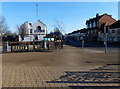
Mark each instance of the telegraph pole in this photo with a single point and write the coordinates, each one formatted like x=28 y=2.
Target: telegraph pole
x=105 y=38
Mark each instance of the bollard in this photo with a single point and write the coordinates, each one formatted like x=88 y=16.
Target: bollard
x=33 y=45
x=5 y=47
x=27 y=47
x=45 y=45
x=11 y=48
x=48 y=48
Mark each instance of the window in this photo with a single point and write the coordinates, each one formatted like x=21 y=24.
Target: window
x=30 y=24
x=94 y=24
x=90 y=24
x=36 y=37
x=30 y=30
x=87 y=25
x=91 y=31
x=88 y=32
x=113 y=31
x=43 y=30
x=39 y=29
x=118 y=31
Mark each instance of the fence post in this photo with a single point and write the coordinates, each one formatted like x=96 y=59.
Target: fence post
x=19 y=46
x=11 y=48
x=48 y=45
x=33 y=45
x=45 y=45
x=5 y=47
x=27 y=47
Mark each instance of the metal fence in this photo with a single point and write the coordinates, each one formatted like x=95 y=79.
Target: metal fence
x=31 y=46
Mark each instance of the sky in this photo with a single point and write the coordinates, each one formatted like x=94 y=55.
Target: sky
x=72 y=14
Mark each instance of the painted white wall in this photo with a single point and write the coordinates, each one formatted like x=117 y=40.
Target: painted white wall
x=31 y=36
x=43 y=27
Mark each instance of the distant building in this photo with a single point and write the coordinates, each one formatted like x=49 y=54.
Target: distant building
x=77 y=35
x=30 y=32
x=10 y=38
x=95 y=26
x=114 y=32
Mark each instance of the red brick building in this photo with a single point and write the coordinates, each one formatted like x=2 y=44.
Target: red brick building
x=96 y=25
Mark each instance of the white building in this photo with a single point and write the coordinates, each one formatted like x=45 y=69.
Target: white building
x=77 y=35
x=113 y=34
x=36 y=31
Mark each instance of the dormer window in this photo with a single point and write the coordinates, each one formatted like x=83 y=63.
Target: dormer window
x=90 y=24
x=94 y=23
x=30 y=30
x=30 y=24
x=39 y=29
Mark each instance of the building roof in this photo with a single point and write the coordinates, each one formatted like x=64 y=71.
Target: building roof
x=42 y=22
x=96 y=18
x=81 y=31
x=115 y=25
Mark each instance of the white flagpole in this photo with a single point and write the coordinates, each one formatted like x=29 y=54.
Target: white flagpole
x=37 y=11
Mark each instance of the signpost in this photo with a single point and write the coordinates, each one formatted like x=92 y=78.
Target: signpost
x=82 y=41
x=105 y=38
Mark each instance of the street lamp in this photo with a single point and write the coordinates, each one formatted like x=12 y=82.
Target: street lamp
x=82 y=41
x=105 y=38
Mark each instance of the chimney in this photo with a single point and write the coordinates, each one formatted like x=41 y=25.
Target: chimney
x=97 y=15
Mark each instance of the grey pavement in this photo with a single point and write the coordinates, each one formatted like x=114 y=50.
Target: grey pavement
x=67 y=67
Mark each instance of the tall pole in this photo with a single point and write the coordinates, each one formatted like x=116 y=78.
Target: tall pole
x=105 y=38
x=82 y=42
x=37 y=11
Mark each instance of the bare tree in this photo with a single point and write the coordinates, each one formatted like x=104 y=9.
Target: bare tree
x=21 y=31
x=3 y=25
x=58 y=26
x=15 y=33
x=7 y=33
x=58 y=29
x=18 y=29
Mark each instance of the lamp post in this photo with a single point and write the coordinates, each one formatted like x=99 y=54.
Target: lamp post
x=105 y=39
x=82 y=41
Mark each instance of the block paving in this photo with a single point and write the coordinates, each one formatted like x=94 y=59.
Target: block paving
x=38 y=76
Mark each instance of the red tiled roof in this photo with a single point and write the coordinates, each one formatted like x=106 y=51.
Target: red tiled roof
x=115 y=25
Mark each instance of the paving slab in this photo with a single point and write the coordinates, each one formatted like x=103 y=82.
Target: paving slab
x=65 y=68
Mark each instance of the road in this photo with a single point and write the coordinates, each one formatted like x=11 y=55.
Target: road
x=95 y=46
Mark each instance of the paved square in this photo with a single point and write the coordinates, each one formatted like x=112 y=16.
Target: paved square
x=67 y=67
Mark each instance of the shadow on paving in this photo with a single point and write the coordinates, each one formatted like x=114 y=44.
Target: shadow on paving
x=92 y=44
x=71 y=87
x=47 y=51
x=105 y=74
